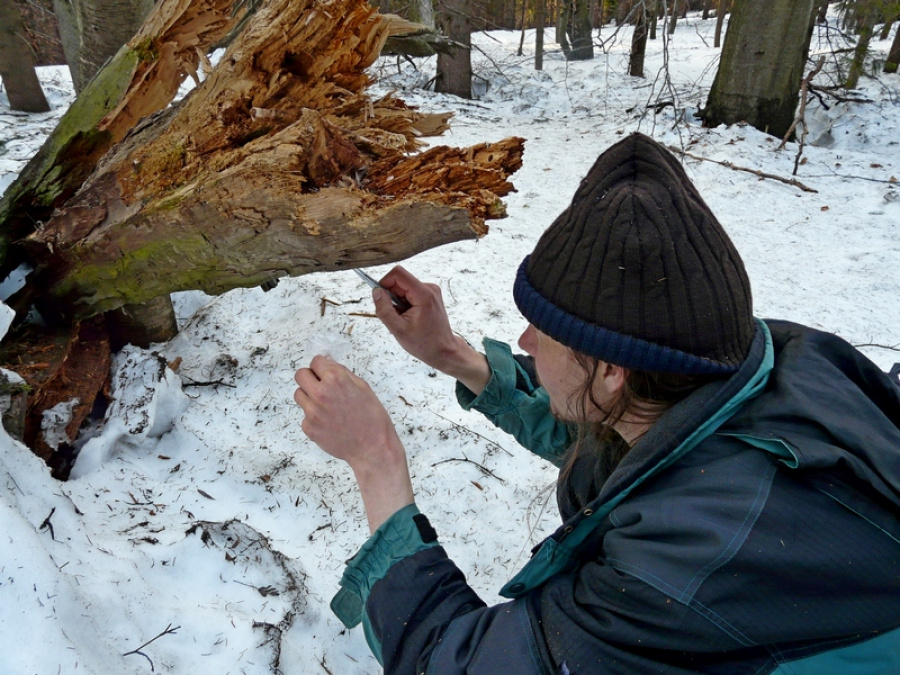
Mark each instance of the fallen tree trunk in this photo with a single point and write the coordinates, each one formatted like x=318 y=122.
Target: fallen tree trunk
x=142 y=78
x=277 y=164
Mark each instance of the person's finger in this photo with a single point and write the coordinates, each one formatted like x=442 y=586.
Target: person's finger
x=386 y=312
x=404 y=285
x=298 y=374
x=322 y=365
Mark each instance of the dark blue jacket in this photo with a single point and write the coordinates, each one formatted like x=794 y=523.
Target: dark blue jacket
x=754 y=529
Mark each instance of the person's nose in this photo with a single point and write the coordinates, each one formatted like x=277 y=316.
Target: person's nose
x=528 y=340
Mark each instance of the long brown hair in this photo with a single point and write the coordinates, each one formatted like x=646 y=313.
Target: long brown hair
x=644 y=397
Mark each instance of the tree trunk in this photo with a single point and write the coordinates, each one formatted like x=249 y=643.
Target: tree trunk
x=143 y=324
x=720 y=21
x=17 y=65
x=425 y=13
x=654 y=13
x=92 y=31
x=893 y=59
x=867 y=14
x=759 y=75
x=638 y=44
x=454 y=69
x=673 y=18
x=277 y=164
x=142 y=78
x=539 y=35
x=577 y=43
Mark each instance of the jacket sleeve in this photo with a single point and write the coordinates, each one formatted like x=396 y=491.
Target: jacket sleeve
x=516 y=404
x=420 y=616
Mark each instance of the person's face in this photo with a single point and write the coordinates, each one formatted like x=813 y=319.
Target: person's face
x=563 y=378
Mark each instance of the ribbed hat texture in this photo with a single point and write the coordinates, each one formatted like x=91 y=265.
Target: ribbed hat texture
x=638 y=272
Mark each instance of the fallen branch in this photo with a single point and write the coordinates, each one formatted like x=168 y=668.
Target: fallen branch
x=484 y=470
x=889 y=181
x=801 y=115
x=735 y=167
x=209 y=383
x=168 y=631
x=894 y=348
x=832 y=91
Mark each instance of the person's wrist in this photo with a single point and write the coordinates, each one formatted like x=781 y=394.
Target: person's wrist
x=384 y=483
x=457 y=358
x=468 y=365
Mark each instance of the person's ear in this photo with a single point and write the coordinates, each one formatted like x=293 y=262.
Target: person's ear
x=614 y=377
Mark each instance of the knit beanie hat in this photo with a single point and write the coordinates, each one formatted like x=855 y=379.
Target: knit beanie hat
x=638 y=272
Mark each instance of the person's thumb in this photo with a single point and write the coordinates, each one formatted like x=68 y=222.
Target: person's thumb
x=384 y=308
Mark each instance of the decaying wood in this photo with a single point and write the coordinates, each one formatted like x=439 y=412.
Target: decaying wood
x=277 y=164
x=140 y=79
x=60 y=365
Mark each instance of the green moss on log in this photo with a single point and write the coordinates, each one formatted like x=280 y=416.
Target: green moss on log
x=68 y=155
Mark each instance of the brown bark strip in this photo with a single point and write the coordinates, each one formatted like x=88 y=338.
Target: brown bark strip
x=58 y=365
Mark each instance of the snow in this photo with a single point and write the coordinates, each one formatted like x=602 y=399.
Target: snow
x=200 y=515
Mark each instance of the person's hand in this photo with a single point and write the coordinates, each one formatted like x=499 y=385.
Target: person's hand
x=424 y=329
x=345 y=418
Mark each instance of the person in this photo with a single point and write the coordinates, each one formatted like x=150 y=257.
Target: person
x=729 y=487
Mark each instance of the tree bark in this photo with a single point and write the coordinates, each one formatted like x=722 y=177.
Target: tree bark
x=92 y=31
x=454 y=69
x=893 y=59
x=638 y=44
x=673 y=18
x=867 y=13
x=759 y=75
x=17 y=65
x=539 y=35
x=574 y=33
x=142 y=78
x=277 y=164
x=720 y=21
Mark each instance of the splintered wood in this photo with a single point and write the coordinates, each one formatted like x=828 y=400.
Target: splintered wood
x=277 y=164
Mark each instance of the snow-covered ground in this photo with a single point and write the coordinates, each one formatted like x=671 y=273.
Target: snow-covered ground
x=201 y=515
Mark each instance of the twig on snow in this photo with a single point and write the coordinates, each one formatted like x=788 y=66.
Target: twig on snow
x=208 y=383
x=484 y=470
x=894 y=348
x=459 y=427
x=47 y=525
x=735 y=167
x=167 y=631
